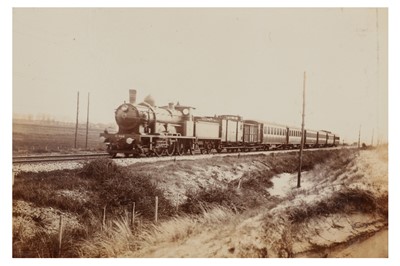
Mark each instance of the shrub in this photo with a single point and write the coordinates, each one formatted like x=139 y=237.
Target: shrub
x=346 y=201
x=118 y=188
x=197 y=201
x=122 y=190
x=100 y=169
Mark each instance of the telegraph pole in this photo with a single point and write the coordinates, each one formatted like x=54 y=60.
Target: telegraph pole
x=87 y=120
x=302 y=131
x=77 y=116
x=359 y=137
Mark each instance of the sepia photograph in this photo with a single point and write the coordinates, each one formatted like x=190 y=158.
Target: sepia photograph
x=200 y=132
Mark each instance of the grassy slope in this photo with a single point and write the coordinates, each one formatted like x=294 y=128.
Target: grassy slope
x=345 y=203
x=203 y=213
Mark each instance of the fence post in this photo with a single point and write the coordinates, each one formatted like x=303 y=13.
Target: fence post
x=156 y=210
x=239 y=184
x=133 y=215
x=13 y=174
x=60 y=229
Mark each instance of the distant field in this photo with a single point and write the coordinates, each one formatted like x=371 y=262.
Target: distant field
x=37 y=138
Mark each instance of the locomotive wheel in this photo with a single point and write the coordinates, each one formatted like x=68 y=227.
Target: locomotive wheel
x=180 y=148
x=219 y=148
x=171 y=149
x=127 y=155
x=158 y=151
x=113 y=155
x=209 y=147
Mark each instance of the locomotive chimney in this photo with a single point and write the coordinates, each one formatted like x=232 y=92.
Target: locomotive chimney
x=171 y=106
x=132 y=96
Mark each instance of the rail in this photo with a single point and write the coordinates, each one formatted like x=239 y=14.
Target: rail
x=58 y=157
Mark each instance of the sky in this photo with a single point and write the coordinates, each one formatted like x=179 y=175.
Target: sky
x=242 y=61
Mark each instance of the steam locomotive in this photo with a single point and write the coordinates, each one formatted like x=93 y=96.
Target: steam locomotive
x=147 y=130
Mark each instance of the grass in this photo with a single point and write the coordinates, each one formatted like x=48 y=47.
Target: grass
x=102 y=183
x=250 y=191
x=43 y=138
x=118 y=238
x=344 y=201
x=41 y=189
x=115 y=238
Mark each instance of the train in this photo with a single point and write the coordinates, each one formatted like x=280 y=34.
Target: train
x=148 y=130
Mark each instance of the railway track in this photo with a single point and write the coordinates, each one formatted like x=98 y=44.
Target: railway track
x=57 y=158
x=76 y=157
x=73 y=161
